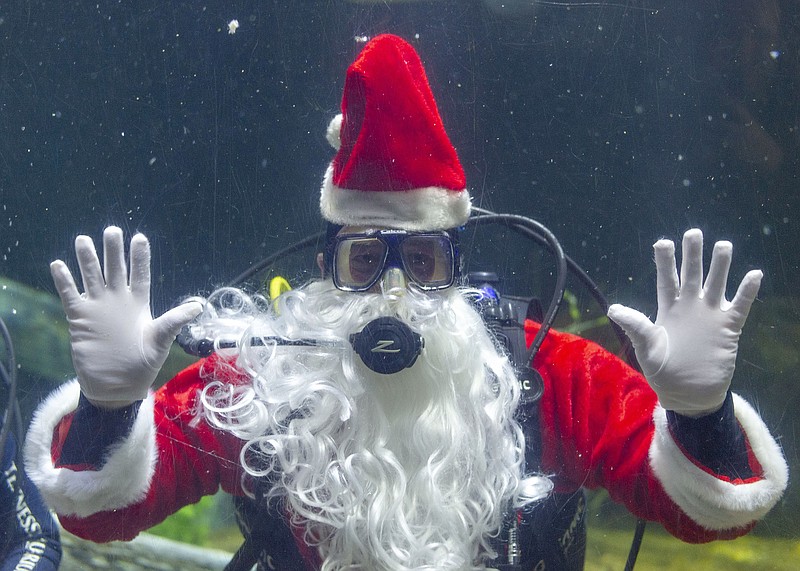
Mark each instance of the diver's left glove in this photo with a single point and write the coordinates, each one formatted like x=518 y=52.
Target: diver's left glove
x=117 y=347
x=688 y=355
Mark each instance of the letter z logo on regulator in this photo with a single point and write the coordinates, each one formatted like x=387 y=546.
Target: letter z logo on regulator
x=382 y=346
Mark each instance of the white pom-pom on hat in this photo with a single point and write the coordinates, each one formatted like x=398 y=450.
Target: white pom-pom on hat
x=333 y=134
x=395 y=166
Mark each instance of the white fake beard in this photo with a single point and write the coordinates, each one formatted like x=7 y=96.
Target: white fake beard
x=413 y=470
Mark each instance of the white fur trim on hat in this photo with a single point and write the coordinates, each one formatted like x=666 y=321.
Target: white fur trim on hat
x=419 y=209
x=713 y=502
x=126 y=473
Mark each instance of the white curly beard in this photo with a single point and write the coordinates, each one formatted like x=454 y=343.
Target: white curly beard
x=412 y=470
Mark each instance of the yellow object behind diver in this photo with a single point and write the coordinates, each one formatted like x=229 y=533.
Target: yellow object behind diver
x=277 y=286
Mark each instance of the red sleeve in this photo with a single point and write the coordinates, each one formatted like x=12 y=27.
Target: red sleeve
x=597 y=428
x=193 y=460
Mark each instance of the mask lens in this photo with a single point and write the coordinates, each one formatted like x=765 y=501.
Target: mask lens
x=358 y=262
x=428 y=260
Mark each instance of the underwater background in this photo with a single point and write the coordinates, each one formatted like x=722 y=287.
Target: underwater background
x=612 y=123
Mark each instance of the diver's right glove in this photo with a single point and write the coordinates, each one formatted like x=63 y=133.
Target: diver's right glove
x=117 y=347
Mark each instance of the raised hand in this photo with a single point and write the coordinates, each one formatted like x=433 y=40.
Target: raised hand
x=117 y=347
x=688 y=355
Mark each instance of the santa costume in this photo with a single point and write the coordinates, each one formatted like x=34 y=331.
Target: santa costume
x=443 y=465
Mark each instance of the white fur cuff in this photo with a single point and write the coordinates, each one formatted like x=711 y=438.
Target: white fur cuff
x=126 y=473
x=712 y=502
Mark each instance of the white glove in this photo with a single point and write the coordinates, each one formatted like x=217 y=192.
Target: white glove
x=117 y=347
x=689 y=354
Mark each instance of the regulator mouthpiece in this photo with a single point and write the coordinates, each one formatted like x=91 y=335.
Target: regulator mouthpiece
x=387 y=345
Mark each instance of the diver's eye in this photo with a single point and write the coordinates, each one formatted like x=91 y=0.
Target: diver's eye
x=428 y=260
x=363 y=257
x=421 y=264
x=363 y=263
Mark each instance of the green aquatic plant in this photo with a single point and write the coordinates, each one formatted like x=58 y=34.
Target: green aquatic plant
x=36 y=322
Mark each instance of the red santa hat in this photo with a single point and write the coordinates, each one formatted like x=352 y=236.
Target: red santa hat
x=395 y=165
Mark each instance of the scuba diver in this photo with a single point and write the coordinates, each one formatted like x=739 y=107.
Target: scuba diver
x=29 y=535
x=373 y=419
